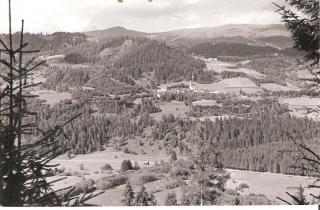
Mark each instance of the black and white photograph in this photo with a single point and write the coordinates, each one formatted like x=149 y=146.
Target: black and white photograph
x=136 y=103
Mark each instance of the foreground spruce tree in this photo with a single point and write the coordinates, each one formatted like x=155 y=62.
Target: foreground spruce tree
x=24 y=167
x=144 y=199
x=302 y=19
x=128 y=195
x=171 y=199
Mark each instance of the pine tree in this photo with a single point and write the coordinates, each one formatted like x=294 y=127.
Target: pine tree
x=126 y=165
x=171 y=199
x=236 y=201
x=128 y=195
x=173 y=156
x=152 y=200
x=142 y=197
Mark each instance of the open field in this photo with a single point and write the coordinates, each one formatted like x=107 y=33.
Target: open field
x=52 y=97
x=274 y=87
x=303 y=106
x=231 y=85
x=94 y=161
x=113 y=196
x=272 y=185
x=204 y=102
x=304 y=74
x=177 y=108
x=219 y=66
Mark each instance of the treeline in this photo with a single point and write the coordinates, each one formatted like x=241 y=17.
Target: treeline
x=268 y=127
x=208 y=77
x=232 y=107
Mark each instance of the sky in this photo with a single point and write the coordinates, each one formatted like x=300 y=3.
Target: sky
x=49 y=16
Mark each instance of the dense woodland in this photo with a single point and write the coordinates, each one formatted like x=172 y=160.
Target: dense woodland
x=257 y=136
x=262 y=141
x=166 y=63
x=210 y=50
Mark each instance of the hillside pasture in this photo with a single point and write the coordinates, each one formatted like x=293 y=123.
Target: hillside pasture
x=177 y=108
x=219 y=66
x=52 y=97
x=272 y=185
x=303 y=106
x=304 y=74
x=231 y=85
x=113 y=197
x=274 y=87
x=204 y=102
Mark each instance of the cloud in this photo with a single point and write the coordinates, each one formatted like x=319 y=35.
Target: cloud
x=160 y=15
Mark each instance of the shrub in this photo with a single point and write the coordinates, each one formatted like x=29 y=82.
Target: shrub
x=61 y=169
x=243 y=185
x=106 y=171
x=128 y=151
x=106 y=167
x=171 y=199
x=182 y=168
x=136 y=165
x=173 y=156
x=180 y=172
x=160 y=168
x=75 y=173
x=139 y=179
x=174 y=183
x=105 y=183
x=126 y=165
x=231 y=192
x=84 y=186
x=81 y=167
x=254 y=199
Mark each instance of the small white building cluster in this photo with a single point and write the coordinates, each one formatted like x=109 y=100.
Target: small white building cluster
x=192 y=87
x=212 y=60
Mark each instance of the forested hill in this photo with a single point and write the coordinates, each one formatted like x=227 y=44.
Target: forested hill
x=236 y=49
x=53 y=43
x=114 y=32
x=165 y=62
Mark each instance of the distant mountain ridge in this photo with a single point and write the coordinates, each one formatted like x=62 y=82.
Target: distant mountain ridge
x=114 y=32
x=245 y=30
x=274 y=35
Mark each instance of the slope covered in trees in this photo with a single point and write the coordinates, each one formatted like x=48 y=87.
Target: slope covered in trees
x=53 y=43
x=210 y=50
x=166 y=63
x=261 y=141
